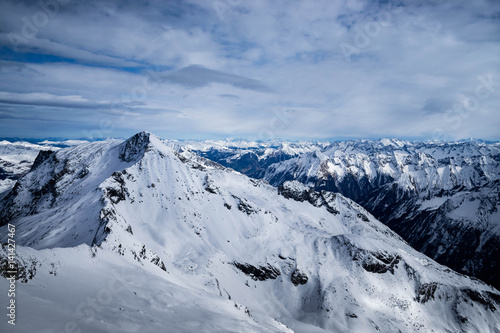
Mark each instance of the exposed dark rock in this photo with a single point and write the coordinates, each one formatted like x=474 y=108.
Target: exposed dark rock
x=142 y=252
x=380 y=262
x=363 y=217
x=494 y=297
x=83 y=173
x=245 y=206
x=302 y=193
x=488 y=302
x=42 y=156
x=158 y=262
x=117 y=193
x=129 y=230
x=49 y=189
x=299 y=193
x=210 y=186
x=134 y=148
x=24 y=270
x=105 y=215
x=299 y=278
x=426 y=292
x=260 y=273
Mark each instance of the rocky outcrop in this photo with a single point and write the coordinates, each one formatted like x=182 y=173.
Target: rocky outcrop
x=258 y=273
x=135 y=147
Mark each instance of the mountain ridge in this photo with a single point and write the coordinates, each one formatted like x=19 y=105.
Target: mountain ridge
x=414 y=187
x=297 y=257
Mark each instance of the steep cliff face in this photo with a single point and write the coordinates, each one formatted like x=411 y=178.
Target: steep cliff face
x=270 y=260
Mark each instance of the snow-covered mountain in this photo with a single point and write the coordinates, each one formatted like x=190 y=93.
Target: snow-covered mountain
x=133 y=236
x=250 y=158
x=16 y=159
x=443 y=198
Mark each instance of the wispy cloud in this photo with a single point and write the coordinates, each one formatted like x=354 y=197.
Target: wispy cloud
x=196 y=76
x=185 y=69
x=44 y=99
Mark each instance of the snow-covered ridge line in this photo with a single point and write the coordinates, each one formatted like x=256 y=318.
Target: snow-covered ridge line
x=285 y=260
x=442 y=197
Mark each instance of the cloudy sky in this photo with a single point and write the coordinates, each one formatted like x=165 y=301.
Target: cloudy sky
x=294 y=69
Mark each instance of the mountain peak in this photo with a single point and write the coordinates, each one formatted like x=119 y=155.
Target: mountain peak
x=314 y=259
x=135 y=146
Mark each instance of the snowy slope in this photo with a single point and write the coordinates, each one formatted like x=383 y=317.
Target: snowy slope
x=441 y=197
x=202 y=248
x=15 y=160
x=75 y=292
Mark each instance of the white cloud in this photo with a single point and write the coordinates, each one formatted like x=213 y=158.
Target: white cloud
x=44 y=99
x=411 y=65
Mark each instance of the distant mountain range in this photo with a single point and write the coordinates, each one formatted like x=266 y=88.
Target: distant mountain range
x=442 y=197
x=146 y=235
